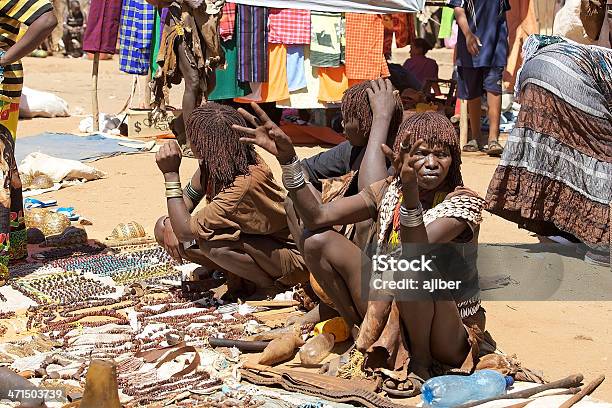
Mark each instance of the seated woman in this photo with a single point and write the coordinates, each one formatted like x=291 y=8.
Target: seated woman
x=428 y=179
x=372 y=112
x=243 y=228
x=420 y=66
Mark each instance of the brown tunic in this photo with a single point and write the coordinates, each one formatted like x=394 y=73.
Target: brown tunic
x=253 y=205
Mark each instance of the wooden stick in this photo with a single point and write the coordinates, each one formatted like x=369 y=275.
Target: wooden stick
x=272 y=303
x=529 y=401
x=94 y=93
x=567 y=382
x=463 y=123
x=588 y=390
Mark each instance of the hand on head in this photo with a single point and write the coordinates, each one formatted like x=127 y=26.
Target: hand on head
x=169 y=157
x=266 y=134
x=383 y=98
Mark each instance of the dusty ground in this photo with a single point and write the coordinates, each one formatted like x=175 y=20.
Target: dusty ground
x=560 y=338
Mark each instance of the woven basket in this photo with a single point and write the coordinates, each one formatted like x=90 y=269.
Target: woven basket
x=36 y=181
x=34 y=217
x=54 y=224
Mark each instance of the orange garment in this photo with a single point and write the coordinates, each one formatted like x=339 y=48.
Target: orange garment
x=522 y=22
x=364 y=46
x=277 y=87
x=400 y=24
x=332 y=84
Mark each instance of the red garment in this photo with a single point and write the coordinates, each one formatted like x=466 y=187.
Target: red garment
x=227 y=23
x=289 y=26
x=102 y=26
x=400 y=24
x=364 y=47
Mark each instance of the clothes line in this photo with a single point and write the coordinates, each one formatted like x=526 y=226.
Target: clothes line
x=344 y=6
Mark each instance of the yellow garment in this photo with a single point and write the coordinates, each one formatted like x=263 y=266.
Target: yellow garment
x=336 y=326
x=332 y=84
x=277 y=87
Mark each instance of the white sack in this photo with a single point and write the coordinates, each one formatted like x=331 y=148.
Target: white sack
x=58 y=169
x=41 y=104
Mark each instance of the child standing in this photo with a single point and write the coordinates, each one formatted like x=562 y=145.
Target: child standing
x=482 y=52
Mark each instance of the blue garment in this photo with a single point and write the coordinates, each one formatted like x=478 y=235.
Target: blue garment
x=135 y=36
x=296 y=73
x=487 y=20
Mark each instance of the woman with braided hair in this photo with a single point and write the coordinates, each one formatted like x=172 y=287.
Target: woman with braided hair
x=242 y=230
x=423 y=203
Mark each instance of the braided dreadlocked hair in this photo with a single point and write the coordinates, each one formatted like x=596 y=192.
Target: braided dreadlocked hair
x=356 y=106
x=435 y=130
x=212 y=139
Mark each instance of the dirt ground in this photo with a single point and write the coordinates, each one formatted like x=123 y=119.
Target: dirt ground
x=560 y=338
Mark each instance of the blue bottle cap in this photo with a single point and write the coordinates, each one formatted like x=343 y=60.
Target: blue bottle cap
x=509 y=381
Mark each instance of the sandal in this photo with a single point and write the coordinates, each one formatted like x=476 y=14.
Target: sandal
x=471 y=146
x=494 y=149
x=30 y=203
x=410 y=388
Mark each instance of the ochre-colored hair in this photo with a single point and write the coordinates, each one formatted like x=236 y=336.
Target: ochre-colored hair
x=212 y=139
x=437 y=131
x=356 y=106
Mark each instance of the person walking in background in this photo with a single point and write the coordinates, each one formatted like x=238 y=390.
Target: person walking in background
x=482 y=51
x=74 y=27
x=39 y=16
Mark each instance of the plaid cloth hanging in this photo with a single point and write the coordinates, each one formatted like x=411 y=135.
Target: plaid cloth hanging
x=227 y=24
x=135 y=36
x=364 y=47
x=289 y=26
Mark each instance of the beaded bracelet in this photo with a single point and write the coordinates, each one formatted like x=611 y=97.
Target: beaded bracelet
x=293 y=175
x=412 y=217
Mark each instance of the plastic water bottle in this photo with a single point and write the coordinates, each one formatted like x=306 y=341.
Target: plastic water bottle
x=317 y=348
x=451 y=390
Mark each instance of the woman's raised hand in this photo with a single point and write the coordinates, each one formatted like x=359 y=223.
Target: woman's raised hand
x=266 y=134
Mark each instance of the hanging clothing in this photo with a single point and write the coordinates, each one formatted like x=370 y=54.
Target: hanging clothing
x=252 y=29
x=198 y=30
x=446 y=23
x=308 y=97
x=296 y=74
x=135 y=38
x=332 y=84
x=156 y=41
x=289 y=26
x=326 y=39
x=277 y=88
x=522 y=22
x=102 y=26
x=227 y=24
x=227 y=85
x=364 y=47
x=400 y=24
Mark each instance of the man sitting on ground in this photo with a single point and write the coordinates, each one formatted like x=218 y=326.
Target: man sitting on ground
x=243 y=228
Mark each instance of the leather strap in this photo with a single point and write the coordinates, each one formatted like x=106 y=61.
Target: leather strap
x=151 y=356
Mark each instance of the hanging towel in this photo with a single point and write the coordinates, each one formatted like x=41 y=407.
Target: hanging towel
x=325 y=44
x=227 y=24
x=446 y=23
x=332 y=84
x=252 y=23
x=364 y=47
x=305 y=98
x=296 y=74
x=137 y=25
x=289 y=26
x=102 y=26
x=227 y=85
